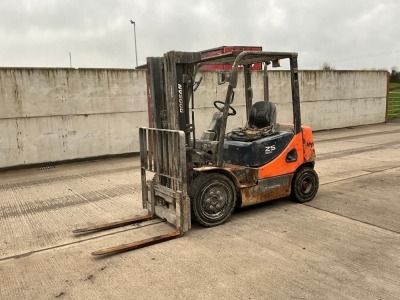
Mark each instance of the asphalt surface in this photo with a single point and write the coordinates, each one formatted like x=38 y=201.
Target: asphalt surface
x=345 y=244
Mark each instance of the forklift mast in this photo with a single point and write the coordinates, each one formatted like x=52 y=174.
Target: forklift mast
x=170 y=82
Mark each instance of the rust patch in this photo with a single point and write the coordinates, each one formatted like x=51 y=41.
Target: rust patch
x=245 y=175
x=267 y=189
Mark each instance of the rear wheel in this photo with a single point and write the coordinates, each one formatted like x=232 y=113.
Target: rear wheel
x=304 y=185
x=213 y=198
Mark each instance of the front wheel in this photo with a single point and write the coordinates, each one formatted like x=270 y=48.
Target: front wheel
x=213 y=198
x=304 y=185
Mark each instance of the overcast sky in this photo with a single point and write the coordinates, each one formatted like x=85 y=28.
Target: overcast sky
x=350 y=34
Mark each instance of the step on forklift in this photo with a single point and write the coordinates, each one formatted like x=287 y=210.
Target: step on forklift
x=205 y=178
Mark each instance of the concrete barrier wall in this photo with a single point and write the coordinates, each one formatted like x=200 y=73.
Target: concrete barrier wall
x=343 y=98
x=60 y=114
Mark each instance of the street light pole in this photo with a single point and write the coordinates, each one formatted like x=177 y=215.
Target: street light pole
x=134 y=32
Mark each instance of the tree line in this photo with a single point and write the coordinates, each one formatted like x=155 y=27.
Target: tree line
x=395 y=75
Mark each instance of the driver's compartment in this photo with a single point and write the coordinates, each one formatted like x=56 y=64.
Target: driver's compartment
x=254 y=145
x=260 y=141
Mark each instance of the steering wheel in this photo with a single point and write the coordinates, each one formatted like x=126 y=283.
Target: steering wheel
x=221 y=108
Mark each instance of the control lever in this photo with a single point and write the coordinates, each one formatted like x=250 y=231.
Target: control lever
x=197 y=84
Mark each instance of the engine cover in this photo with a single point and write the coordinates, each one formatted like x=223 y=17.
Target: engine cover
x=258 y=152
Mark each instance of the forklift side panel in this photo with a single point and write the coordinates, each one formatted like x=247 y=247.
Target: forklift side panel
x=267 y=189
x=256 y=153
x=309 y=150
x=280 y=165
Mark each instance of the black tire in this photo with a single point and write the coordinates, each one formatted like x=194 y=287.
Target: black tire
x=304 y=185
x=213 y=198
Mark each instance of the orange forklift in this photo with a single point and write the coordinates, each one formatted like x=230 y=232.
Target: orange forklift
x=205 y=178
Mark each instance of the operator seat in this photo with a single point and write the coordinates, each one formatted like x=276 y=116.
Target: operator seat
x=262 y=114
x=261 y=123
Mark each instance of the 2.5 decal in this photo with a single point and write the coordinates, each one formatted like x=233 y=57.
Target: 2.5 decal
x=269 y=149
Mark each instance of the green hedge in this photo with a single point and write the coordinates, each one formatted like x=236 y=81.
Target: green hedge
x=394 y=101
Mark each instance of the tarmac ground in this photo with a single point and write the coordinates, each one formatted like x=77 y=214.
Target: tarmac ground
x=345 y=244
